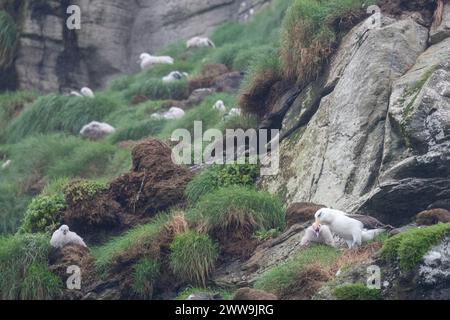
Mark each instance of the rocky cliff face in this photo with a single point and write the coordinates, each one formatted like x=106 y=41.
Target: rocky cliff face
x=113 y=34
x=373 y=133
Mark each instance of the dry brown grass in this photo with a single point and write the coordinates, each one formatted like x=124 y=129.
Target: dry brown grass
x=176 y=225
x=438 y=14
x=352 y=257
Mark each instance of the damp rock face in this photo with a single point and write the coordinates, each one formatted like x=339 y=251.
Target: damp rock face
x=112 y=36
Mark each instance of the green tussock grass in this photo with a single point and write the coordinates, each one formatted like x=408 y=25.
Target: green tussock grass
x=141 y=236
x=11 y=105
x=145 y=273
x=9 y=36
x=155 y=89
x=193 y=256
x=409 y=247
x=237 y=207
x=211 y=118
x=218 y=176
x=138 y=130
x=55 y=113
x=356 y=291
x=310 y=34
x=281 y=278
x=23 y=268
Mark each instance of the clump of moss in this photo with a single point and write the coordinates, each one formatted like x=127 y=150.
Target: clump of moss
x=82 y=190
x=356 y=291
x=193 y=256
x=409 y=247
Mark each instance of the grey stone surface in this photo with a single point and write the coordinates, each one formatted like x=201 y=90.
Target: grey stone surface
x=112 y=36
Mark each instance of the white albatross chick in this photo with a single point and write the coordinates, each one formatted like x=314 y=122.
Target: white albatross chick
x=63 y=236
x=234 y=112
x=147 y=60
x=174 y=76
x=199 y=42
x=219 y=105
x=6 y=164
x=319 y=234
x=86 y=92
x=174 y=113
x=75 y=93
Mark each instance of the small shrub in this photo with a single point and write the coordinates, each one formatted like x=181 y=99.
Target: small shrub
x=146 y=271
x=193 y=256
x=236 y=208
x=23 y=268
x=410 y=246
x=43 y=214
x=356 y=291
x=221 y=176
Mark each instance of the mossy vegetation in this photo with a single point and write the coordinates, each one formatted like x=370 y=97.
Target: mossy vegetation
x=356 y=291
x=409 y=247
x=193 y=256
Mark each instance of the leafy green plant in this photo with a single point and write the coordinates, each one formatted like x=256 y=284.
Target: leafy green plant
x=193 y=256
x=43 y=214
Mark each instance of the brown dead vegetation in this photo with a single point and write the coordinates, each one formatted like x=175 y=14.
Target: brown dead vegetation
x=433 y=216
x=301 y=212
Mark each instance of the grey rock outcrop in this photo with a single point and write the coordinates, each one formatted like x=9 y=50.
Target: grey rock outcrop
x=372 y=134
x=113 y=34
